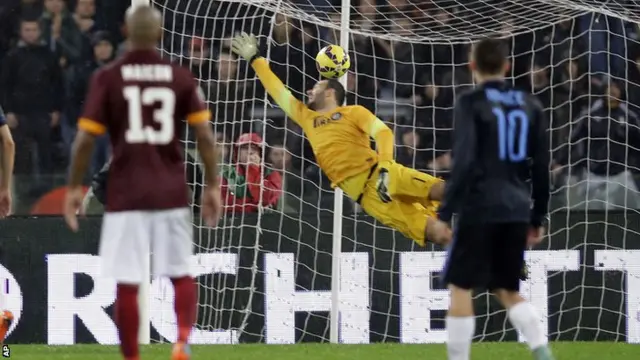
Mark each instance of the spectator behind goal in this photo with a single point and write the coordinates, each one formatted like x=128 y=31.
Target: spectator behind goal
x=61 y=33
x=602 y=149
x=31 y=84
x=244 y=179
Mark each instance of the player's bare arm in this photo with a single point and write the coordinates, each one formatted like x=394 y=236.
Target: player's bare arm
x=89 y=126
x=8 y=155
x=246 y=46
x=206 y=143
x=211 y=201
x=80 y=158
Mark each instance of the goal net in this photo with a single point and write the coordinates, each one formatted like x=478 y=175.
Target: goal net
x=265 y=273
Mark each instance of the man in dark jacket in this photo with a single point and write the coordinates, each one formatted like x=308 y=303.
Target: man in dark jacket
x=11 y=11
x=61 y=33
x=603 y=148
x=31 y=86
x=77 y=84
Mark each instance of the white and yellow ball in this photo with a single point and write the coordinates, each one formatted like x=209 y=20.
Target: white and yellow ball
x=332 y=62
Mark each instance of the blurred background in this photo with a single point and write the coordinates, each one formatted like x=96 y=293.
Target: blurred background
x=409 y=62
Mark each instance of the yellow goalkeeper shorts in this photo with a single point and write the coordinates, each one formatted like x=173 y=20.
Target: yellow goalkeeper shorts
x=409 y=208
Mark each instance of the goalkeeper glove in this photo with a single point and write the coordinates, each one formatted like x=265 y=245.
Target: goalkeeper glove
x=245 y=46
x=382 y=185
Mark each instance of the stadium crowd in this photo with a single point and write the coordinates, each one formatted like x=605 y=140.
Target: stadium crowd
x=584 y=70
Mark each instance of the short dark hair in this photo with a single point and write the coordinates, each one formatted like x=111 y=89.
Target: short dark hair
x=338 y=89
x=490 y=56
x=29 y=19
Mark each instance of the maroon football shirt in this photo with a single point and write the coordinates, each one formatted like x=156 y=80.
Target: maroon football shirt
x=141 y=100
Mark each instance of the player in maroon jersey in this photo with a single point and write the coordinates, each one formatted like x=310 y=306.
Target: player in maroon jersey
x=141 y=101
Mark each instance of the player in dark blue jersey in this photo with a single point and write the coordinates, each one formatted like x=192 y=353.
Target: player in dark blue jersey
x=500 y=164
x=6 y=168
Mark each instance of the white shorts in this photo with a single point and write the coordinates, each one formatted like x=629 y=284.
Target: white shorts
x=128 y=238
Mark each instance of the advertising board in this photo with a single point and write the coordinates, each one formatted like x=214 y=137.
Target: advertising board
x=272 y=284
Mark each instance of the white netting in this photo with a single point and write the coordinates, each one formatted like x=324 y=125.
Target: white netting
x=409 y=61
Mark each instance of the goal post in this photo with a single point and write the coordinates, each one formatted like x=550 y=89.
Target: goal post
x=336 y=250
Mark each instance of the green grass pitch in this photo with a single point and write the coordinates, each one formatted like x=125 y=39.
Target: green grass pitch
x=481 y=351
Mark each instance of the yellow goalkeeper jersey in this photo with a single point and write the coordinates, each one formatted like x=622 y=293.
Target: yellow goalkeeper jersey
x=340 y=139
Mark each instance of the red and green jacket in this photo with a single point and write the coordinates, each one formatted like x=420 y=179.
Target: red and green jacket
x=241 y=186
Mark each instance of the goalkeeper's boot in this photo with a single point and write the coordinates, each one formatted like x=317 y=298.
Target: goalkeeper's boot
x=6 y=319
x=542 y=353
x=181 y=351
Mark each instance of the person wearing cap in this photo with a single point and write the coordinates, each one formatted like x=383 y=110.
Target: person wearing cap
x=246 y=184
x=77 y=79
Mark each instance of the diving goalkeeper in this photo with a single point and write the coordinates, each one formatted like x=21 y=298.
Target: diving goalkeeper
x=400 y=197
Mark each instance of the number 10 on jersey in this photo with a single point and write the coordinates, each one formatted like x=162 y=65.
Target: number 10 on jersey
x=513 y=131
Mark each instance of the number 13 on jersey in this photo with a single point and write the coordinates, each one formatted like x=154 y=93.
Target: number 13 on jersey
x=513 y=131
x=138 y=98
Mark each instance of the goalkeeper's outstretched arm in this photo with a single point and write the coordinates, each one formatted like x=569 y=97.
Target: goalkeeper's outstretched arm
x=293 y=107
x=246 y=46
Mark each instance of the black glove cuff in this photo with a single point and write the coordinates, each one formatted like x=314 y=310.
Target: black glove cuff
x=254 y=57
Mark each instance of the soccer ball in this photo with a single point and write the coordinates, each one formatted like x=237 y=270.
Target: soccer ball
x=332 y=62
